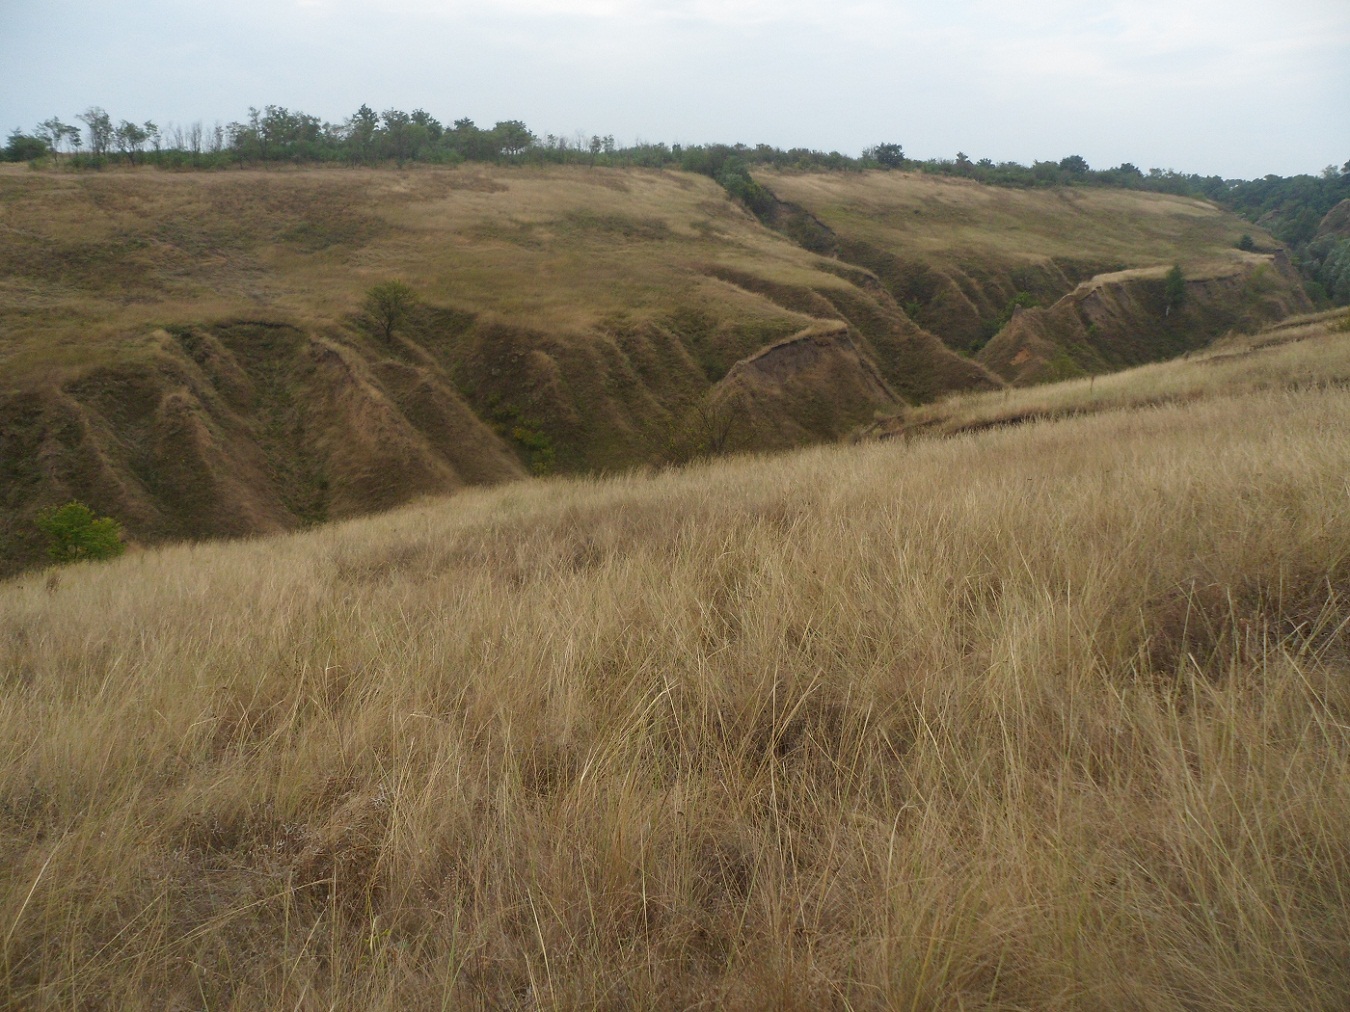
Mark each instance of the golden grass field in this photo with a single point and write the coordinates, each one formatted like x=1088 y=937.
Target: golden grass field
x=94 y=263
x=1054 y=716
x=952 y=220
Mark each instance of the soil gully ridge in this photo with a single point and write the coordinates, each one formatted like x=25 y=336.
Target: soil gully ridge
x=781 y=331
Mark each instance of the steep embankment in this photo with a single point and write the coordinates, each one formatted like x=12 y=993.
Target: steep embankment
x=1128 y=318
x=961 y=257
x=188 y=352
x=240 y=428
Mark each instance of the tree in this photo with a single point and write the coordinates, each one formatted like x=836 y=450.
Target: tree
x=429 y=123
x=1174 y=288
x=23 y=148
x=361 y=134
x=889 y=156
x=513 y=137
x=55 y=133
x=735 y=178
x=100 y=129
x=131 y=138
x=1075 y=165
x=75 y=534
x=387 y=305
x=397 y=131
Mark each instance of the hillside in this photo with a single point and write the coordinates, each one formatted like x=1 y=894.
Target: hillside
x=962 y=257
x=1045 y=715
x=187 y=351
x=1126 y=318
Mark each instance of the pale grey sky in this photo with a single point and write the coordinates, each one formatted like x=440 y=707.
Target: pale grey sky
x=1227 y=87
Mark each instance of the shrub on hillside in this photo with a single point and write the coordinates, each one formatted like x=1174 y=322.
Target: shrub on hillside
x=1174 y=285
x=75 y=534
x=387 y=305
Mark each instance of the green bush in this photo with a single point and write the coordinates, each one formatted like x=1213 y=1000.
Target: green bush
x=387 y=305
x=538 y=447
x=1174 y=288
x=74 y=533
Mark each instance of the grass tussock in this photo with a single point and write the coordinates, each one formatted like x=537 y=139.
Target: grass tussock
x=1047 y=717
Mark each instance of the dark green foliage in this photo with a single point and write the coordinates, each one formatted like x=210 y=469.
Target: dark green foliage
x=537 y=447
x=24 y=148
x=512 y=138
x=75 y=534
x=736 y=180
x=131 y=139
x=1327 y=261
x=1246 y=243
x=888 y=156
x=1290 y=208
x=1174 y=287
x=100 y=129
x=1022 y=300
x=387 y=306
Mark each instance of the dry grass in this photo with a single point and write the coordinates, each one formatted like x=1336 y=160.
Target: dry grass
x=950 y=222
x=1046 y=717
x=92 y=264
x=956 y=253
x=1302 y=352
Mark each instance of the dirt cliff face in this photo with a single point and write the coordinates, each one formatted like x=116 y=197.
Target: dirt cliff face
x=236 y=429
x=1336 y=223
x=791 y=393
x=1126 y=318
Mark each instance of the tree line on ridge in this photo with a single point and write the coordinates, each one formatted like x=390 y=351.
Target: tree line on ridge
x=1290 y=208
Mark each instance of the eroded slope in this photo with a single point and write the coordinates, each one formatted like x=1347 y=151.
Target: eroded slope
x=960 y=256
x=187 y=352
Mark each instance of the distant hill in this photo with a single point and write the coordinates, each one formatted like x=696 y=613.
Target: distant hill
x=187 y=352
x=963 y=257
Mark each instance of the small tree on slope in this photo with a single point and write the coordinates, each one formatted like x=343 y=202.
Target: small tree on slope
x=74 y=533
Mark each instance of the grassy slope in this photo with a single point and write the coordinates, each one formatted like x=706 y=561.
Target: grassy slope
x=92 y=261
x=159 y=327
x=959 y=251
x=1301 y=352
x=1046 y=717
x=185 y=352
x=1124 y=318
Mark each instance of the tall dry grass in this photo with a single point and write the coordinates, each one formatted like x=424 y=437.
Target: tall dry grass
x=1047 y=717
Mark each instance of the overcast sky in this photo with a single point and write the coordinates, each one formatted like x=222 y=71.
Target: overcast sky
x=1238 y=88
